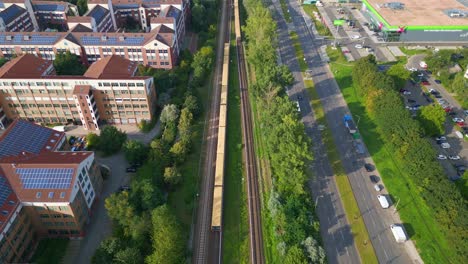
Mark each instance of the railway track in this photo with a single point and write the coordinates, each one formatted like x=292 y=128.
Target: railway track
x=208 y=244
x=256 y=239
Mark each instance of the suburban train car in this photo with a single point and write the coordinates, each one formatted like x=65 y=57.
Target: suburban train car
x=237 y=19
x=216 y=215
x=222 y=116
x=219 y=171
x=224 y=95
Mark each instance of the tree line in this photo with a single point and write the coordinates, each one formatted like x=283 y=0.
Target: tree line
x=146 y=228
x=406 y=139
x=296 y=230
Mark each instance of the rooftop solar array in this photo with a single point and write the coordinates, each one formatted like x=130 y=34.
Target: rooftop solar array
x=98 y=13
x=41 y=178
x=24 y=136
x=126 y=6
x=36 y=39
x=49 y=7
x=98 y=40
x=11 y=13
x=5 y=190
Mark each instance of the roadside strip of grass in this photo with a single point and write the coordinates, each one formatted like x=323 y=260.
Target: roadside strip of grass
x=322 y=29
x=284 y=7
x=416 y=216
x=235 y=223
x=353 y=214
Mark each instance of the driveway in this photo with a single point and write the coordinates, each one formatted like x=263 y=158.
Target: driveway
x=100 y=226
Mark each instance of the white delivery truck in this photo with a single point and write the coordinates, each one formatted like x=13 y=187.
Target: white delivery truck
x=383 y=201
x=398 y=233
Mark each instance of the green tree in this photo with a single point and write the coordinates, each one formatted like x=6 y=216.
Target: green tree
x=169 y=114
x=179 y=151
x=168 y=241
x=460 y=84
x=172 y=175
x=146 y=195
x=104 y=254
x=198 y=17
x=169 y=133
x=128 y=255
x=92 y=141
x=158 y=152
x=82 y=6
x=135 y=151
x=111 y=140
x=191 y=103
x=120 y=210
x=68 y=64
x=295 y=255
x=399 y=74
x=432 y=118
x=202 y=62
x=185 y=123
x=439 y=60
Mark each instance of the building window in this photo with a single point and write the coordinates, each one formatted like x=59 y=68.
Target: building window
x=62 y=195
x=44 y=216
x=38 y=195
x=51 y=195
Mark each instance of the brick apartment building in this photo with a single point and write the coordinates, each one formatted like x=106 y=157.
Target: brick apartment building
x=109 y=92
x=100 y=32
x=44 y=192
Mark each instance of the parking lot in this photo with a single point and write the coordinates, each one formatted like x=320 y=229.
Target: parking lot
x=454 y=154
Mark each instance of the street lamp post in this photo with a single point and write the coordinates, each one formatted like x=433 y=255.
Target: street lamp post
x=316 y=200
x=396 y=205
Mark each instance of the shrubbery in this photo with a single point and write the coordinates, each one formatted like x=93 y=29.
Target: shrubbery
x=289 y=206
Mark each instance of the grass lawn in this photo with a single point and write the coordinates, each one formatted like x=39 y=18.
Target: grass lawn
x=235 y=223
x=358 y=228
x=410 y=52
x=417 y=217
x=50 y=251
x=322 y=29
x=284 y=7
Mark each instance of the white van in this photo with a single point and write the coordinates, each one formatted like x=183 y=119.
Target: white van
x=399 y=233
x=423 y=65
x=383 y=201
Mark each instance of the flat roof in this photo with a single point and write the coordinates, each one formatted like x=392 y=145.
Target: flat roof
x=417 y=13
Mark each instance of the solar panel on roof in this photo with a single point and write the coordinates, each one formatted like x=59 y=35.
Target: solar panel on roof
x=24 y=136
x=5 y=190
x=45 y=178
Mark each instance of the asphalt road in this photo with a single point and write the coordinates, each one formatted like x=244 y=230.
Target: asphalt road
x=335 y=230
x=376 y=219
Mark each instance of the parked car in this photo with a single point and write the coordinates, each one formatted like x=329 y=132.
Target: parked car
x=458 y=119
x=358 y=46
x=445 y=145
x=428 y=72
x=411 y=101
x=131 y=169
x=378 y=187
x=438 y=96
x=433 y=91
x=451 y=113
x=425 y=83
x=460 y=124
x=369 y=167
x=125 y=188
x=405 y=92
x=448 y=109
x=441 y=157
x=465 y=112
x=374 y=178
x=355 y=37
x=454 y=157
x=437 y=81
x=441 y=138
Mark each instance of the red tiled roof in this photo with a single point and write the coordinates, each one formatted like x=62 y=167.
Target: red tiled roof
x=112 y=67
x=25 y=66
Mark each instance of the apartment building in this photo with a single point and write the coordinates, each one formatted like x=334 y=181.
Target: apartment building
x=109 y=92
x=44 y=192
x=15 y=19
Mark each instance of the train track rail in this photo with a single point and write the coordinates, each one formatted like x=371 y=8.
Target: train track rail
x=256 y=239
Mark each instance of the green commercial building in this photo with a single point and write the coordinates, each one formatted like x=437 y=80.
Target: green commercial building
x=418 y=21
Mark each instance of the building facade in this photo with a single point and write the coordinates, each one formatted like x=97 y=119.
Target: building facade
x=44 y=192
x=108 y=93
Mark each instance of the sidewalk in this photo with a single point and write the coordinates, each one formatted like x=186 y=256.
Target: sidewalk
x=133 y=132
